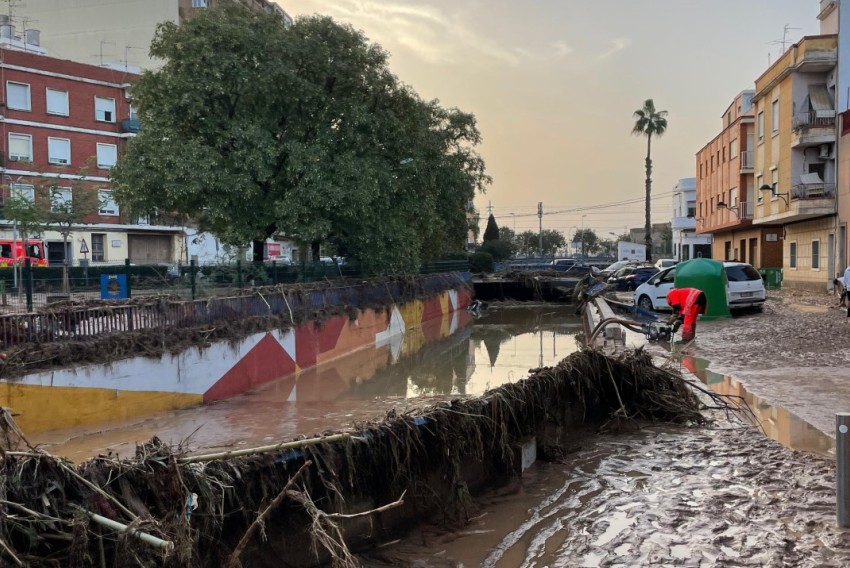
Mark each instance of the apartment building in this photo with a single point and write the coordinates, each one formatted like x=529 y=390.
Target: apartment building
x=116 y=33
x=687 y=244
x=726 y=193
x=795 y=170
x=63 y=124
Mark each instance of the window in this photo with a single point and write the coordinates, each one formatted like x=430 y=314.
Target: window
x=23 y=191
x=60 y=198
x=18 y=96
x=97 y=249
x=774 y=116
x=733 y=197
x=108 y=206
x=700 y=171
x=104 y=109
x=759 y=183
x=712 y=163
x=59 y=151
x=733 y=149
x=815 y=255
x=792 y=251
x=20 y=147
x=692 y=209
x=57 y=102
x=760 y=126
x=774 y=182
x=199 y=3
x=107 y=155
x=134 y=114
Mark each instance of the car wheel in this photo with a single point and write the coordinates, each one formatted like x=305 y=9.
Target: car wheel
x=645 y=303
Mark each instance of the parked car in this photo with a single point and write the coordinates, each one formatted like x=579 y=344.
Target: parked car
x=745 y=288
x=630 y=277
x=570 y=265
x=663 y=263
x=609 y=270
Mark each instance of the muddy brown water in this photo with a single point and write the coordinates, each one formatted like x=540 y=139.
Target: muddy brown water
x=666 y=496
x=499 y=347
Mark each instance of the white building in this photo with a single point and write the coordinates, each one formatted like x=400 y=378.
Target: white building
x=686 y=243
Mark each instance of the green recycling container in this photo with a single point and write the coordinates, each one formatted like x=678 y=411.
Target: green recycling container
x=772 y=278
x=708 y=276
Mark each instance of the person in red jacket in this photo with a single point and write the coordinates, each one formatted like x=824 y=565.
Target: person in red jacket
x=687 y=305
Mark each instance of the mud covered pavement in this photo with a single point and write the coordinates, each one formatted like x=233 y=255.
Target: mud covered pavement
x=795 y=354
x=663 y=496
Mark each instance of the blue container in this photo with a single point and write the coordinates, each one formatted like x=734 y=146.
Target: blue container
x=113 y=286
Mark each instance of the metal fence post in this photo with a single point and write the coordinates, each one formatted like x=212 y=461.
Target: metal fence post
x=274 y=272
x=842 y=462
x=28 y=282
x=193 y=271
x=239 y=273
x=129 y=277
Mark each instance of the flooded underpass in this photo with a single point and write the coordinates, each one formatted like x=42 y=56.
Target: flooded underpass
x=727 y=495
x=498 y=347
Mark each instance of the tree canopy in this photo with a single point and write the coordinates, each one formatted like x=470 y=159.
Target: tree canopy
x=491 y=233
x=528 y=242
x=254 y=130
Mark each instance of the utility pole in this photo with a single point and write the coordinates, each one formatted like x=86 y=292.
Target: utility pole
x=540 y=219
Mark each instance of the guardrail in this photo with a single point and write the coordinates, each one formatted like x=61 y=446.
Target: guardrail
x=121 y=316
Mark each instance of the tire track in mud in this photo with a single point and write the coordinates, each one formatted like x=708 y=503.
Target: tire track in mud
x=663 y=496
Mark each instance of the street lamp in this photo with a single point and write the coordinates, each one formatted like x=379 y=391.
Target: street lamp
x=772 y=190
x=582 y=235
x=723 y=205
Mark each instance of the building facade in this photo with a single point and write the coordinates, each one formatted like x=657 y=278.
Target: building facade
x=63 y=126
x=687 y=244
x=795 y=168
x=662 y=239
x=116 y=33
x=726 y=193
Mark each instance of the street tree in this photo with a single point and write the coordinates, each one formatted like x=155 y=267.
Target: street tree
x=26 y=207
x=491 y=233
x=649 y=122
x=528 y=242
x=588 y=239
x=67 y=210
x=253 y=130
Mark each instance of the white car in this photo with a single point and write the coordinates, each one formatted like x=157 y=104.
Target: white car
x=663 y=263
x=745 y=288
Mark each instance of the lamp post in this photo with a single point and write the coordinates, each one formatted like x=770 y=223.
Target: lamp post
x=582 y=235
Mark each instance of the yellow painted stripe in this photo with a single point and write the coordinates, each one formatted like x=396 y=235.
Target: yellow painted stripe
x=42 y=408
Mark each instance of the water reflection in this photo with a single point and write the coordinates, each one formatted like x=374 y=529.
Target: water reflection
x=777 y=422
x=499 y=347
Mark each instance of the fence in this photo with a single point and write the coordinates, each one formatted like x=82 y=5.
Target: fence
x=35 y=287
x=66 y=322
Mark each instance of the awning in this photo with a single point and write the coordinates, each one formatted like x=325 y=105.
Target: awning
x=821 y=101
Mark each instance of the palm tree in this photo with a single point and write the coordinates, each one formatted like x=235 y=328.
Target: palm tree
x=649 y=122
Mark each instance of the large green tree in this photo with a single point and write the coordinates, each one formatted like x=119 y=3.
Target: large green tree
x=254 y=130
x=491 y=233
x=649 y=122
x=528 y=242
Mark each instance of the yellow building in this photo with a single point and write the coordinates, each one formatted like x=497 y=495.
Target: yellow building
x=795 y=171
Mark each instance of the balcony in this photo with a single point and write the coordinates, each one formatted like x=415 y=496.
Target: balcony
x=748 y=161
x=131 y=125
x=683 y=223
x=808 y=200
x=812 y=128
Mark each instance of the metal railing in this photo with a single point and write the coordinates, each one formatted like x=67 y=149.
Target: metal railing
x=811 y=119
x=812 y=190
x=746 y=209
x=75 y=322
x=748 y=160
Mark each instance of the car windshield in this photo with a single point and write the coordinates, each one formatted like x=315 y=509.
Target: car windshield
x=617 y=266
x=741 y=273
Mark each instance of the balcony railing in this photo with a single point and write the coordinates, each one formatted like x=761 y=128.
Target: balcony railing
x=812 y=190
x=131 y=125
x=748 y=161
x=745 y=209
x=805 y=120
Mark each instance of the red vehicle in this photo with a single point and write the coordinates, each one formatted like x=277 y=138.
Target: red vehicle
x=13 y=251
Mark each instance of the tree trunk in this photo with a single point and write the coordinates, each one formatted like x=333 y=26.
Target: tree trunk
x=66 y=286
x=258 y=250
x=316 y=250
x=648 y=224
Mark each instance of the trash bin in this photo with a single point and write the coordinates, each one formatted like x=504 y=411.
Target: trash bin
x=772 y=278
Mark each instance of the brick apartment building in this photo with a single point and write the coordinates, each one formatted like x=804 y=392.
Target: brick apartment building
x=60 y=120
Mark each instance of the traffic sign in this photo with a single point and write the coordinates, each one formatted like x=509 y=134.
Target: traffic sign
x=84 y=248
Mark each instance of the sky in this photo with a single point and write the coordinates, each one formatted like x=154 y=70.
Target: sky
x=554 y=85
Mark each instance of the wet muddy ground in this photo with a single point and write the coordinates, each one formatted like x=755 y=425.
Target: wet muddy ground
x=659 y=497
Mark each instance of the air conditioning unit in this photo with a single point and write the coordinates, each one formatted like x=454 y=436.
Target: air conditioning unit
x=825 y=152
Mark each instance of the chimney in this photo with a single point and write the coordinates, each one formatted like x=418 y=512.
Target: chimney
x=32 y=37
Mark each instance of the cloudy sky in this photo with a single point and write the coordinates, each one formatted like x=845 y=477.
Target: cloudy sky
x=554 y=84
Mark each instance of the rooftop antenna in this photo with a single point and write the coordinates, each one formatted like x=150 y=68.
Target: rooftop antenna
x=127 y=49
x=100 y=49
x=785 y=38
